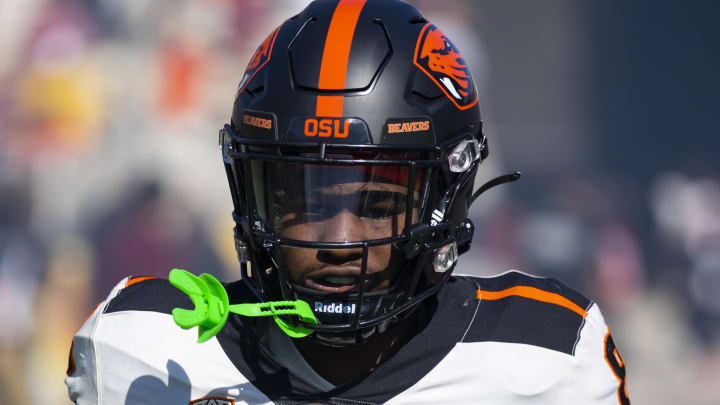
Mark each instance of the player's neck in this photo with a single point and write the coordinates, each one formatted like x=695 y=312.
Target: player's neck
x=340 y=365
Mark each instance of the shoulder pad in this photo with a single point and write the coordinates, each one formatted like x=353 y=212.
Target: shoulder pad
x=158 y=295
x=148 y=294
x=519 y=308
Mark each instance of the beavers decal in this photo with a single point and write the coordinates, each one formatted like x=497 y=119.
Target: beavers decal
x=436 y=55
x=259 y=59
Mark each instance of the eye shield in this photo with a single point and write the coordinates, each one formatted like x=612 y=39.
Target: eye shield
x=317 y=202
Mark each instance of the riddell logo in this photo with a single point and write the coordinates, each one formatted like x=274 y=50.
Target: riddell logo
x=327 y=127
x=257 y=121
x=336 y=308
x=413 y=126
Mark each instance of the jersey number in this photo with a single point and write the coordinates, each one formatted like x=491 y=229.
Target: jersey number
x=617 y=365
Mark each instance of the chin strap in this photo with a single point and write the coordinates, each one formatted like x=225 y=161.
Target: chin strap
x=212 y=307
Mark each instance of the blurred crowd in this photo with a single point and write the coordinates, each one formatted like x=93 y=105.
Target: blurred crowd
x=109 y=167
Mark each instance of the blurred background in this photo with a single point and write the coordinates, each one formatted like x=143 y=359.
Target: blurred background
x=109 y=112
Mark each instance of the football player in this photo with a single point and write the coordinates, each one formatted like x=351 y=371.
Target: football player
x=351 y=156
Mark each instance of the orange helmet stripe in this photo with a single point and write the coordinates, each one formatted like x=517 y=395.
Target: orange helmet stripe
x=333 y=68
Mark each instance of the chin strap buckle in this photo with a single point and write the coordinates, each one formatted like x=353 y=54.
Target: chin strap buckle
x=417 y=236
x=445 y=257
x=241 y=250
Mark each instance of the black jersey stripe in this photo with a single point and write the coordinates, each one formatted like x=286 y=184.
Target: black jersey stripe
x=155 y=295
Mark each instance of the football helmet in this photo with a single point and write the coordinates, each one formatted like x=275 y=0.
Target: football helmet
x=354 y=142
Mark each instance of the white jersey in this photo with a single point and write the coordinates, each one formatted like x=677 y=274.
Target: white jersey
x=510 y=339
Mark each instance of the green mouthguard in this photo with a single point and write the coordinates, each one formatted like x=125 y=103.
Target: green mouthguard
x=212 y=307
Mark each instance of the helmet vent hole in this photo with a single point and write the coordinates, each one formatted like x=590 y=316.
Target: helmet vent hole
x=418 y=19
x=255 y=91
x=427 y=99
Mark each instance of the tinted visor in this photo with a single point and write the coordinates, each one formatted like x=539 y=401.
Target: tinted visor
x=336 y=203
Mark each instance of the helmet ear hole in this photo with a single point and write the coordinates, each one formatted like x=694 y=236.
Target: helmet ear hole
x=254 y=91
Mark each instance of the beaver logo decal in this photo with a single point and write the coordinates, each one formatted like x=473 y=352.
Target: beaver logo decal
x=259 y=59
x=436 y=55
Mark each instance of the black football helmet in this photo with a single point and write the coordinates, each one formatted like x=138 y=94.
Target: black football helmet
x=370 y=97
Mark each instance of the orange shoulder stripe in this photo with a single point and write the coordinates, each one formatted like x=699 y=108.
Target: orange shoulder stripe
x=135 y=280
x=533 y=294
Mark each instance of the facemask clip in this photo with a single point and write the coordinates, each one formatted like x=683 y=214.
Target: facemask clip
x=445 y=257
x=463 y=155
x=225 y=143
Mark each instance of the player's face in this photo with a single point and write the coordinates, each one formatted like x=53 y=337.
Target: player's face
x=345 y=212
